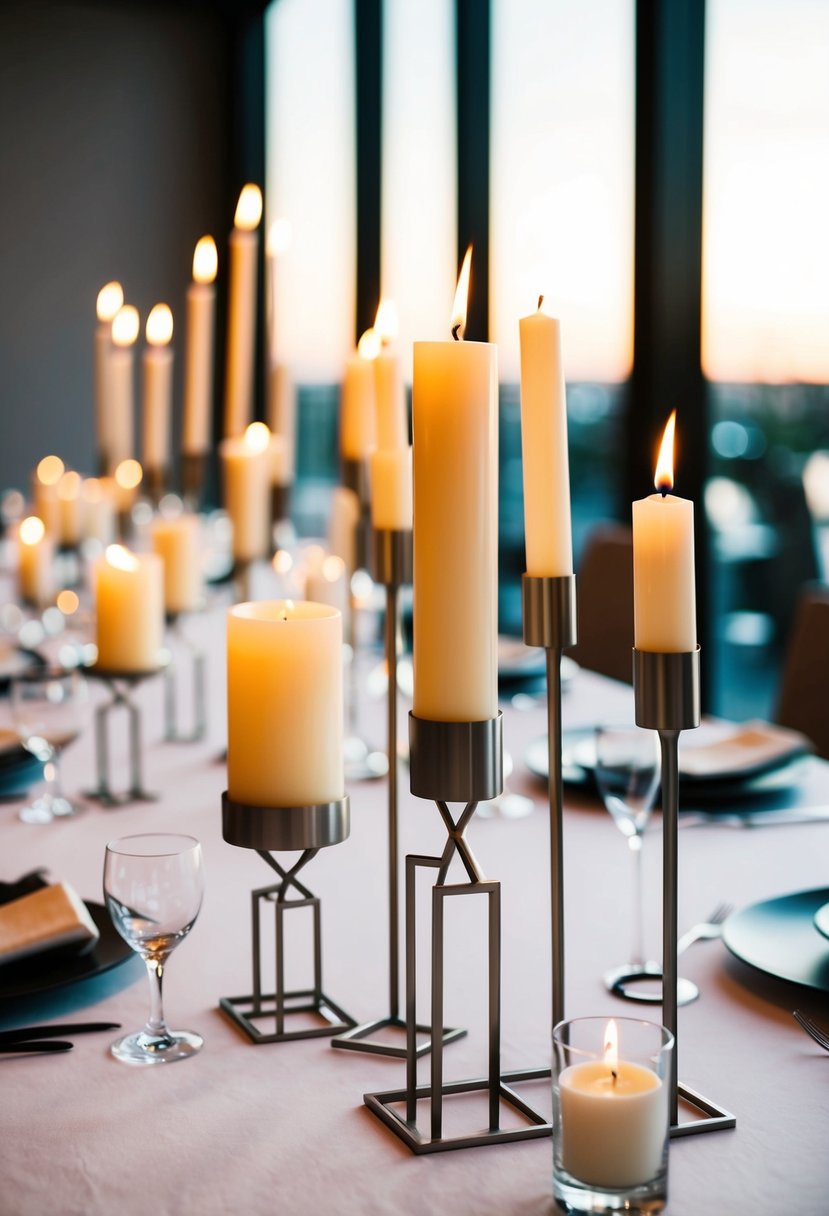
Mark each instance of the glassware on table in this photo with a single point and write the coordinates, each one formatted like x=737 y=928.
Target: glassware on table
x=153 y=887
x=50 y=707
x=611 y=1084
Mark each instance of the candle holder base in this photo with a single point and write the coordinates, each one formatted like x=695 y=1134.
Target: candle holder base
x=193 y=473
x=716 y=1118
x=121 y=686
x=198 y=665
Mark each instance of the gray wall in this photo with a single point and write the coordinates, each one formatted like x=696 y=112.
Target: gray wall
x=113 y=161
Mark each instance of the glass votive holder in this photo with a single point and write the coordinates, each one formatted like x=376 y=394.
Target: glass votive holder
x=611 y=1081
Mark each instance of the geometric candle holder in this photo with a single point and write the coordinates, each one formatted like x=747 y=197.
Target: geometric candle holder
x=198 y=659
x=121 y=685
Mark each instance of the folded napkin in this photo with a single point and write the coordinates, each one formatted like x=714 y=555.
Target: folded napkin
x=753 y=747
x=46 y=919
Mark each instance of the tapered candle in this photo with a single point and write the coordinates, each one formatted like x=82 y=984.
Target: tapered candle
x=243 y=247
x=125 y=327
x=35 y=553
x=158 y=389
x=281 y=393
x=342 y=525
x=70 y=508
x=110 y=299
x=198 y=366
x=548 y=533
x=284 y=704
x=129 y=607
x=664 y=592
x=246 y=468
x=176 y=540
x=455 y=422
x=45 y=492
x=392 y=424
x=391 y=489
x=358 y=408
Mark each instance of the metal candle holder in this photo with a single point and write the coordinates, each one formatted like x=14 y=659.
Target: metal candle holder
x=155 y=483
x=309 y=829
x=280 y=503
x=121 y=686
x=356 y=476
x=667 y=700
x=453 y=762
x=198 y=659
x=193 y=476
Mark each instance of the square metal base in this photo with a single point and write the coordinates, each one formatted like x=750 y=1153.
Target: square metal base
x=380 y=1104
x=358 y=1040
x=245 y=1018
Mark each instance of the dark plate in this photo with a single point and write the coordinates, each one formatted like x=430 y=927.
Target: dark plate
x=38 y=974
x=778 y=938
x=18 y=770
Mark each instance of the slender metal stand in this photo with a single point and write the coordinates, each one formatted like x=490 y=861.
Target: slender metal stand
x=198 y=661
x=453 y=762
x=305 y=828
x=193 y=476
x=155 y=484
x=121 y=685
x=280 y=503
x=667 y=700
x=243 y=580
x=356 y=476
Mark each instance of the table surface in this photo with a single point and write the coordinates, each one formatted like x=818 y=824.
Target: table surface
x=255 y=1129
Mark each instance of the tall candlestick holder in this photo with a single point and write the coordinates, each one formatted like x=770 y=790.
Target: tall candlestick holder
x=275 y=829
x=667 y=700
x=122 y=686
x=280 y=503
x=453 y=762
x=356 y=476
x=155 y=483
x=392 y=567
x=198 y=683
x=193 y=471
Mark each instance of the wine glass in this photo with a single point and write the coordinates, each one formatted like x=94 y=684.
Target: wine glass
x=49 y=709
x=153 y=887
x=627 y=774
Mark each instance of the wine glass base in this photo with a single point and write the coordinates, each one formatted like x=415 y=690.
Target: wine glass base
x=144 y=1048
x=46 y=808
x=642 y=982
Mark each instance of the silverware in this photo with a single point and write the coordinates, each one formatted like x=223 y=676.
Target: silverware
x=28 y=1033
x=40 y=1047
x=706 y=929
x=812 y=1028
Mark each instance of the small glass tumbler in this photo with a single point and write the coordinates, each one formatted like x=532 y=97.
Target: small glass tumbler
x=611 y=1081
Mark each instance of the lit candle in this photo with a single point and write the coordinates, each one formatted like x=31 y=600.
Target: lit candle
x=547 y=527
x=110 y=299
x=243 y=247
x=455 y=420
x=176 y=540
x=129 y=606
x=392 y=424
x=198 y=365
x=125 y=327
x=70 y=508
x=613 y=1119
x=664 y=595
x=97 y=510
x=35 y=552
x=284 y=704
x=158 y=389
x=45 y=492
x=358 y=408
x=246 y=468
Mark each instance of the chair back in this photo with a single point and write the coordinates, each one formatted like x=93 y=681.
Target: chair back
x=605 y=602
x=803 y=702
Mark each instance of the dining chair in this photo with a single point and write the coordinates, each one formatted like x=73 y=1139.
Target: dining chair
x=803 y=700
x=605 y=602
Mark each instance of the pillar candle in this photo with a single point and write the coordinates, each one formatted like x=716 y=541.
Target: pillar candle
x=198 y=365
x=158 y=389
x=664 y=592
x=177 y=541
x=45 y=492
x=358 y=406
x=455 y=422
x=125 y=328
x=97 y=511
x=129 y=606
x=110 y=299
x=243 y=246
x=547 y=526
x=246 y=469
x=284 y=704
x=70 y=508
x=36 y=553
x=391 y=488
x=342 y=525
x=326 y=582
x=282 y=416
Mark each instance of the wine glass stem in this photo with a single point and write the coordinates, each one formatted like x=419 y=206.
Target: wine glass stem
x=51 y=774
x=638 y=953
x=155 y=1022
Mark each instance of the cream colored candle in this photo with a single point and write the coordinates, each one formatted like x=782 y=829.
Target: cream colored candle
x=282 y=418
x=97 y=510
x=70 y=508
x=35 y=552
x=198 y=365
x=547 y=527
x=129 y=606
x=246 y=469
x=124 y=484
x=45 y=493
x=392 y=422
x=177 y=541
x=158 y=389
x=243 y=246
x=125 y=327
x=391 y=488
x=326 y=582
x=664 y=588
x=110 y=299
x=455 y=418
x=284 y=704
x=342 y=525
x=358 y=407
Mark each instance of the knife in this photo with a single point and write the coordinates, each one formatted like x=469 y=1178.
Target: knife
x=27 y=1033
x=35 y=1048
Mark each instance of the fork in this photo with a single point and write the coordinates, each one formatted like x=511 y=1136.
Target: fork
x=812 y=1028
x=707 y=929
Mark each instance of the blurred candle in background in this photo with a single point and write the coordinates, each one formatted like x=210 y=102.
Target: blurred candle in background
x=198 y=366
x=97 y=511
x=158 y=390
x=110 y=299
x=392 y=422
x=281 y=391
x=246 y=469
x=176 y=539
x=125 y=327
x=358 y=407
x=35 y=551
x=70 y=508
x=45 y=492
x=243 y=246
x=129 y=607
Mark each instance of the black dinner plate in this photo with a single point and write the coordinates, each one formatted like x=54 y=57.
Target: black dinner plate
x=777 y=937
x=37 y=974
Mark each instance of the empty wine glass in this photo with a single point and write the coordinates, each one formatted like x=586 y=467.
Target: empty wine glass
x=627 y=775
x=49 y=709
x=153 y=887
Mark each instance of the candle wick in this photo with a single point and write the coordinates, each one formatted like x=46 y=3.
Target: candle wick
x=614 y=1075
x=663 y=490
x=540 y=301
x=456 y=331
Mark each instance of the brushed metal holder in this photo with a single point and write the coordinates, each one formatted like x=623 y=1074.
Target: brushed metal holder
x=356 y=476
x=193 y=471
x=198 y=663
x=121 y=686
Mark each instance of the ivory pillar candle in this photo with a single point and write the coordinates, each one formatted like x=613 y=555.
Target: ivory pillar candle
x=158 y=389
x=327 y=583
x=125 y=328
x=392 y=426
x=129 y=607
x=284 y=704
x=664 y=588
x=282 y=417
x=177 y=541
x=35 y=552
x=391 y=488
x=198 y=365
x=243 y=247
x=455 y=421
x=110 y=299
x=545 y=460
x=358 y=407
x=45 y=492
x=70 y=508
x=246 y=469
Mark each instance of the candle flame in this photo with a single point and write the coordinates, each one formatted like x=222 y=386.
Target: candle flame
x=280 y=236
x=249 y=208
x=286 y=609
x=461 y=302
x=205 y=260
x=50 y=470
x=69 y=486
x=32 y=530
x=121 y=558
x=128 y=474
x=664 y=478
x=369 y=345
x=257 y=437
x=125 y=326
x=67 y=602
x=110 y=299
x=386 y=322
x=159 y=325
x=611 y=1045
